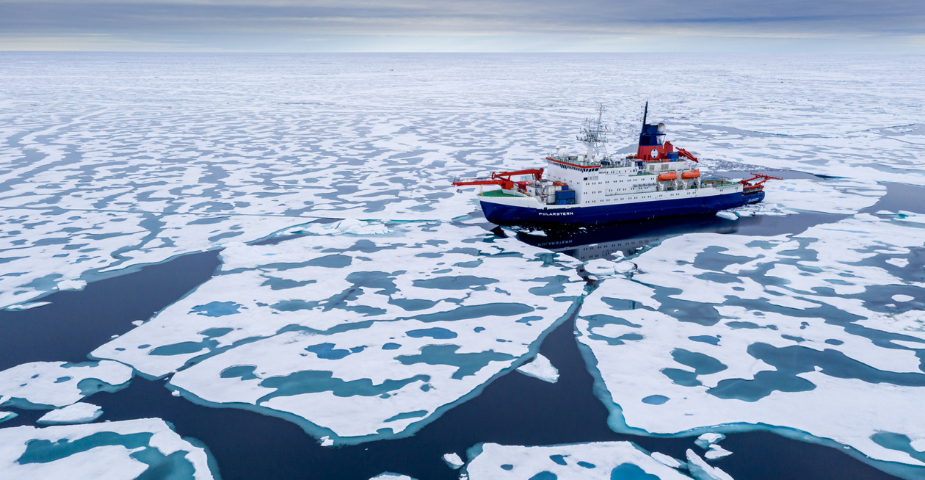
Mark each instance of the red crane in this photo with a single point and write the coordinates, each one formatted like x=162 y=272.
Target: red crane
x=748 y=185
x=684 y=153
x=500 y=178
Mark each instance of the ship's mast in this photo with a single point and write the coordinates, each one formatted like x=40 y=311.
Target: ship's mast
x=595 y=136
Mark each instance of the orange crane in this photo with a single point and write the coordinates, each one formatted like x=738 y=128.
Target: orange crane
x=500 y=178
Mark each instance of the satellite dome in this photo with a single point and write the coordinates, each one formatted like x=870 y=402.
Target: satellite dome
x=661 y=128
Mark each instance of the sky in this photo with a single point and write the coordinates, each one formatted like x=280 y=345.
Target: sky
x=888 y=26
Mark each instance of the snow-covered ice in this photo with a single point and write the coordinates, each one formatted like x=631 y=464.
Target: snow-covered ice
x=453 y=460
x=362 y=337
x=58 y=384
x=26 y=306
x=727 y=215
x=100 y=451
x=705 y=440
x=847 y=196
x=391 y=476
x=716 y=452
x=668 y=460
x=701 y=470
x=790 y=331
x=602 y=460
x=4 y=416
x=540 y=367
x=79 y=412
x=103 y=171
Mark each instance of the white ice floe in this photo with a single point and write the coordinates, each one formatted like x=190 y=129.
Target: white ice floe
x=325 y=441
x=761 y=208
x=715 y=452
x=603 y=460
x=846 y=196
x=58 y=384
x=71 y=285
x=79 y=412
x=4 y=416
x=360 y=337
x=776 y=332
x=902 y=298
x=540 y=368
x=26 y=306
x=727 y=215
x=668 y=460
x=100 y=451
x=701 y=470
x=899 y=262
x=453 y=460
x=704 y=441
x=391 y=476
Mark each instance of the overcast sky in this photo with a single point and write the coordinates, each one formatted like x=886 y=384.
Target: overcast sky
x=464 y=25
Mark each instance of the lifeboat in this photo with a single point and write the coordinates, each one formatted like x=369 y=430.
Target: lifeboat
x=690 y=175
x=667 y=177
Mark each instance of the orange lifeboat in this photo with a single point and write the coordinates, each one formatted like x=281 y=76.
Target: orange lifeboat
x=690 y=175
x=666 y=177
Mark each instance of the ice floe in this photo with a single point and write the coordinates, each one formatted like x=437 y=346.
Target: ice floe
x=727 y=215
x=4 y=416
x=391 y=476
x=111 y=451
x=704 y=441
x=761 y=208
x=362 y=337
x=716 y=452
x=847 y=196
x=71 y=285
x=453 y=460
x=26 y=306
x=603 y=460
x=79 y=412
x=701 y=470
x=790 y=332
x=58 y=384
x=668 y=460
x=540 y=367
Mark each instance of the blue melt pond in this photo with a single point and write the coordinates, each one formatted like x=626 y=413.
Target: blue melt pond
x=628 y=471
x=436 y=333
x=217 y=309
x=327 y=351
x=655 y=399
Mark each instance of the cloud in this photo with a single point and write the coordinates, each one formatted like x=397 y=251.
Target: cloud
x=205 y=22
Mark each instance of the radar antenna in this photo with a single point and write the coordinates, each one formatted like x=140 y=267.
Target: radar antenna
x=594 y=134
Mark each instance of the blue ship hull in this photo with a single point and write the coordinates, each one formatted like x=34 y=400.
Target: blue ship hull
x=586 y=216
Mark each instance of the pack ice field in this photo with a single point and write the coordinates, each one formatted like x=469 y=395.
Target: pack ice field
x=362 y=298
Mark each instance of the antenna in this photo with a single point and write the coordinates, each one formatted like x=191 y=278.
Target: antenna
x=645 y=113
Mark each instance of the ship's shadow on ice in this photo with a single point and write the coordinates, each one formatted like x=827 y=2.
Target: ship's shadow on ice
x=626 y=239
